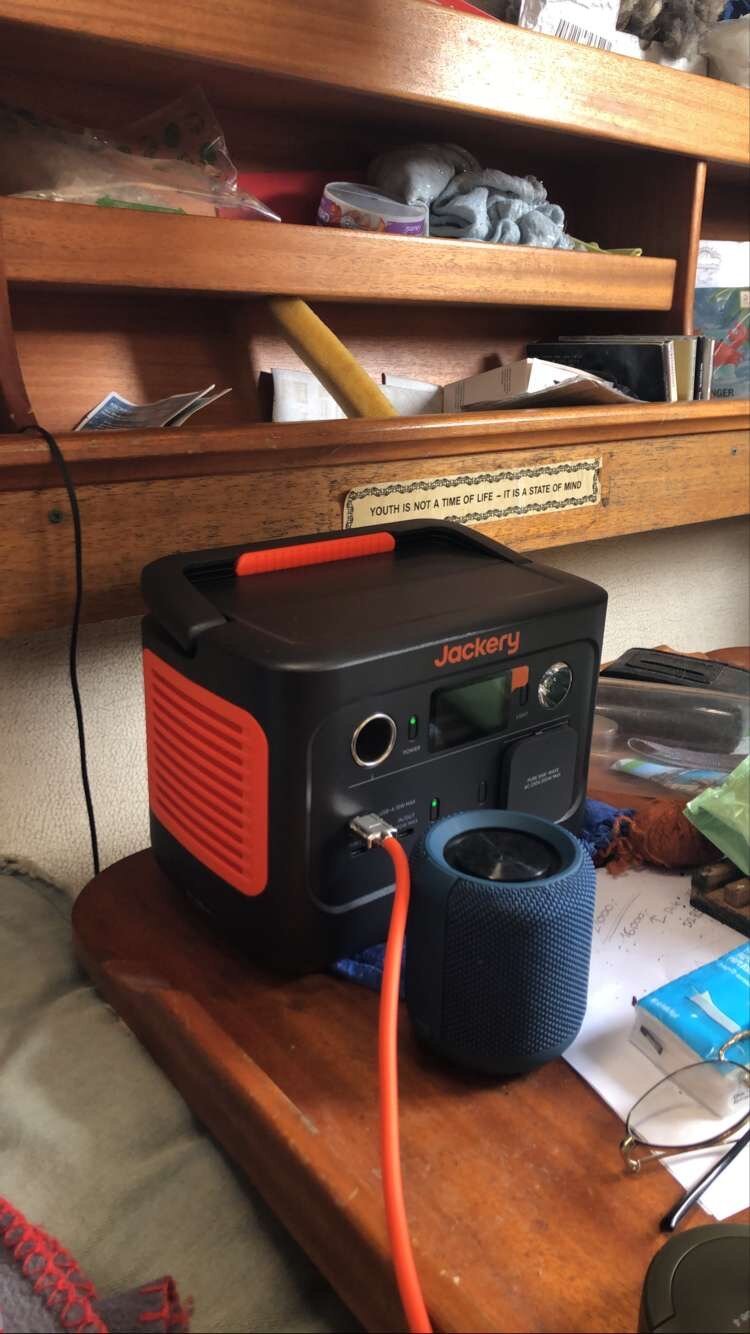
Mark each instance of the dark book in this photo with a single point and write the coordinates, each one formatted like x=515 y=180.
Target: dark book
x=704 y=375
x=685 y=354
x=698 y=376
x=645 y=370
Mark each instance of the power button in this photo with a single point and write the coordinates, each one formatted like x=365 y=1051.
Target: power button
x=555 y=685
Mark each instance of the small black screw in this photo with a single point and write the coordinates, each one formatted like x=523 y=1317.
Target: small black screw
x=55 y=516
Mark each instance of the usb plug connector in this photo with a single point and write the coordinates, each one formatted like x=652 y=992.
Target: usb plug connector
x=372 y=829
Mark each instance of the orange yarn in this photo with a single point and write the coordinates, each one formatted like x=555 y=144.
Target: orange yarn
x=659 y=834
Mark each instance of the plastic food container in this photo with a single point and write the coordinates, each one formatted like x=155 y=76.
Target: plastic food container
x=659 y=741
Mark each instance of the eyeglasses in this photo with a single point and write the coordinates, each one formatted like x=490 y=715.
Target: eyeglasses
x=697 y=1107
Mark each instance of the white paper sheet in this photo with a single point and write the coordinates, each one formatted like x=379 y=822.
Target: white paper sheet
x=645 y=934
x=299 y=396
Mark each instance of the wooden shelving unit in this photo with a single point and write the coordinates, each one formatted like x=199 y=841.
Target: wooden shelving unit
x=72 y=245
x=109 y=299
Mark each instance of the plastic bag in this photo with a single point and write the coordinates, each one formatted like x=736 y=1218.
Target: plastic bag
x=185 y=131
x=722 y=814
x=175 y=160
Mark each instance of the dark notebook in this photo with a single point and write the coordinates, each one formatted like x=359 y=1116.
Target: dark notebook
x=645 y=370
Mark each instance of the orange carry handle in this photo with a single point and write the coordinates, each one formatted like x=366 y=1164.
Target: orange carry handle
x=313 y=553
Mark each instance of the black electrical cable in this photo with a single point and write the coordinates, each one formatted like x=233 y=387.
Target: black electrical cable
x=59 y=459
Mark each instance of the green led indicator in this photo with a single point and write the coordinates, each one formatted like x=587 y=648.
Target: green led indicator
x=434 y=802
x=413 y=720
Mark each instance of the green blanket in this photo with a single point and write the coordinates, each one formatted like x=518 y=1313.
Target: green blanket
x=99 y=1149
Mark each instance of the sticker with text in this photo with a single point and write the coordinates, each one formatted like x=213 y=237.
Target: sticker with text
x=478 y=497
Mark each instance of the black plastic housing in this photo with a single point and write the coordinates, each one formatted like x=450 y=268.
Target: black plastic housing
x=311 y=652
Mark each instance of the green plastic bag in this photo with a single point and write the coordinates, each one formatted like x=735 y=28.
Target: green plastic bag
x=723 y=815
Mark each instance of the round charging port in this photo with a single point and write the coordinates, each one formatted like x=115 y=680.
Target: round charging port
x=373 y=740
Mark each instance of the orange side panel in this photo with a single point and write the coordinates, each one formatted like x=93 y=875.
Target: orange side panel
x=313 y=553
x=207 y=775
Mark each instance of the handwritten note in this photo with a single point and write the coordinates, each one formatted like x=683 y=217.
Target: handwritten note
x=646 y=933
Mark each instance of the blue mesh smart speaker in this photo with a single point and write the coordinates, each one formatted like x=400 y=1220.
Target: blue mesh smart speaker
x=499 y=939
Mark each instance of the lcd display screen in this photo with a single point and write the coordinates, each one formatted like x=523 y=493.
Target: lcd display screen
x=464 y=713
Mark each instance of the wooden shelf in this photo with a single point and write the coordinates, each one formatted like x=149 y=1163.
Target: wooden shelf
x=397 y=50
x=121 y=456
x=144 y=494
x=74 y=245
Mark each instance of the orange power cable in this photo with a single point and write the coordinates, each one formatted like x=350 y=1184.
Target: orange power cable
x=407 y=1278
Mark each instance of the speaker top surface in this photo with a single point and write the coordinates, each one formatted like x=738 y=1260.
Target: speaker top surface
x=502 y=847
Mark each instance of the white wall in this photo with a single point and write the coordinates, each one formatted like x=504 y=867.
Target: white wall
x=687 y=587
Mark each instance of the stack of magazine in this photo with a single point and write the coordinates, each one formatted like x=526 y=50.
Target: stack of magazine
x=658 y=368
x=573 y=372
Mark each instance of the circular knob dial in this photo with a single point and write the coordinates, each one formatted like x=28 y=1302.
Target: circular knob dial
x=555 y=684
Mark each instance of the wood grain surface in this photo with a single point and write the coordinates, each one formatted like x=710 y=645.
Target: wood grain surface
x=75 y=245
x=397 y=50
x=75 y=349
x=656 y=202
x=726 y=210
x=108 y=456
x=675 y=191
x=15 y=409
x=652 y=482
x=521 y=1214
x=147 y=345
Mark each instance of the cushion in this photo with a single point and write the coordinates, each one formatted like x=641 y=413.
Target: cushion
x=99 y=1149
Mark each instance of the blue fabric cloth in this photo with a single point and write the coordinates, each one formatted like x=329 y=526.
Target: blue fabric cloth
x=493 y=206
x=366 y=968
x=598 y=823
x=467 y=202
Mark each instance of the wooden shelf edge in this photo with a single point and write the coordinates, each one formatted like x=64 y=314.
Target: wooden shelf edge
x=647 y=482
x=80 y=246
x=395 y=49
x=97 y=457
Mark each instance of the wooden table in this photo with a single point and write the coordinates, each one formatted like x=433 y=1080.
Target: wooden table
x=522 y=1216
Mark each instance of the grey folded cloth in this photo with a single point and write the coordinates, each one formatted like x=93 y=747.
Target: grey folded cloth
x=467 y=202
x=492 y=206
x=418 y=173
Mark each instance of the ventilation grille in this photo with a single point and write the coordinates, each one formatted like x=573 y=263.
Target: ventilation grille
x=207 y=775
